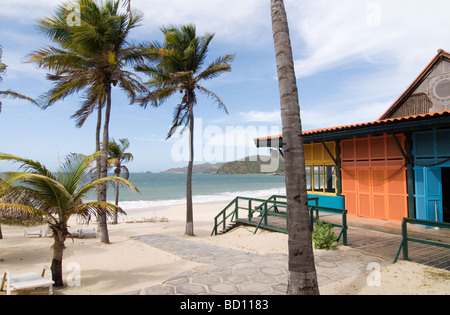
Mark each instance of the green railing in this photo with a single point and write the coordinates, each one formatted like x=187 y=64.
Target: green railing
x=405 y=239
x=262 y=213
x=254 y=208
x=314 y=210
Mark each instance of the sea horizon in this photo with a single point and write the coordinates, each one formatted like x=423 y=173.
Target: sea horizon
x=160 y=190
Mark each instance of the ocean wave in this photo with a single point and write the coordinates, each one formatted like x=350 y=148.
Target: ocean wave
x=200 y=199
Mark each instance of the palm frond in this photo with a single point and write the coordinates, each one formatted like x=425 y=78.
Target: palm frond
x=82 y=191
x=180 y=119
x=215 y=97
x=74 y=169
x=216 y=68
x=45 y=189
x=13 y=94
x=17 y=211
x=95 y=208
x=28 y=165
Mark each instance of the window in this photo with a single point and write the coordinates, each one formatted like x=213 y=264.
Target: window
x=318 y=178
x=308 y=178
x=330 y=178
x=321 y=178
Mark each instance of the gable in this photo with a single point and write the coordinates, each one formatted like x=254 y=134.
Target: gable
x=429 y=93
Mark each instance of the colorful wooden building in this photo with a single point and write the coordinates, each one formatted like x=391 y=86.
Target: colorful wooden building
x=397 y=166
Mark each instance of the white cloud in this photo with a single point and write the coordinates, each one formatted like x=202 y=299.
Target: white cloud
x=233 y=21
x=334 y=33
x=338 y=115
x=261 y=116
x=27 y=11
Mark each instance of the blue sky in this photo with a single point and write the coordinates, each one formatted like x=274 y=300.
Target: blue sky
x=353 y=59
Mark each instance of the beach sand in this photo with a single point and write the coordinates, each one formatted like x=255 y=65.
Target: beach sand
x=127 y=265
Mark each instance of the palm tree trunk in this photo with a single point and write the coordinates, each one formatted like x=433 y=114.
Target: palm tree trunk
x=58 y=249
x=117 y=197
x=302 y=272
x=189 y=206
x=101 y=219
x=1 y=234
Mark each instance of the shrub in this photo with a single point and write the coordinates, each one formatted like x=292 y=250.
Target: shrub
x=324 y=237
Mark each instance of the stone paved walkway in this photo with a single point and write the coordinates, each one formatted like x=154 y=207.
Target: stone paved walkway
x=228 y=271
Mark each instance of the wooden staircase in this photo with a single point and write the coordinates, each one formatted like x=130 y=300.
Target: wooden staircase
x=229 y=227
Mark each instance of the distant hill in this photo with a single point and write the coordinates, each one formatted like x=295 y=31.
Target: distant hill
x=250 y=165
x=205 y=168
x=253 y=165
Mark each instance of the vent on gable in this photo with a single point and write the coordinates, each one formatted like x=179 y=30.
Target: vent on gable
x=439 y=92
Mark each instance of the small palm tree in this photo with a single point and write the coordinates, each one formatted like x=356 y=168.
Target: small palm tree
x=176 y=66
x=55 y=198
x=117 y=157
x=10 y=93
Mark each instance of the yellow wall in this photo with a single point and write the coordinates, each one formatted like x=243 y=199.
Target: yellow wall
x=315 y=153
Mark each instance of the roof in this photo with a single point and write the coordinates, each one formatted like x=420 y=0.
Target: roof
x=442 y=54
x=401 y=124
x=384 y=123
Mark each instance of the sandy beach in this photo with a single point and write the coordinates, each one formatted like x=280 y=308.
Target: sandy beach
x=126 y=264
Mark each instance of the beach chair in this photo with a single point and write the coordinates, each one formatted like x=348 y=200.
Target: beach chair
x=27 y=233
x=132 y=220
x=48 y=232
x=88 y=233
x=29 y=280
x=164 y=219
x=84 y=233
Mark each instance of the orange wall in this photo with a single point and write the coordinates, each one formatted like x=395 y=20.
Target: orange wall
x=374 y=177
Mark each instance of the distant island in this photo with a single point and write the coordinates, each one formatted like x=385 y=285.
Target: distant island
x=205 y=168
x=249 y=165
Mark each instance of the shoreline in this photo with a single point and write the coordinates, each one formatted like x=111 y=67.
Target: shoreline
x=224 y=197
x=127 y=265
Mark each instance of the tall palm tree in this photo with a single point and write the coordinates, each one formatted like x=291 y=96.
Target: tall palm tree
x=56 y=198
x=10 y=93
x=116 y=158
x=177 y=66
x=91 y=57
x=302 y=272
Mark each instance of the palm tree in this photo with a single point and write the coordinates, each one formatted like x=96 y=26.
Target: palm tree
x=177 y=66
x=10 y=93
x=302 y=272
x=118 y=156
x=91 y=57
x=56 y=198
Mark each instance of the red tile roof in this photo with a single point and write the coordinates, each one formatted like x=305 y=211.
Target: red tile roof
x=367 y=124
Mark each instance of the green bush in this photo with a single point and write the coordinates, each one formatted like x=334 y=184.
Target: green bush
x=324 y=237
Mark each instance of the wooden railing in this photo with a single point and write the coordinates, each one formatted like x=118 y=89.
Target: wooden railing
x=405 y=239
x=271 y=214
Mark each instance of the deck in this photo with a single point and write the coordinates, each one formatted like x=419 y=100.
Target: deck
x=362 y=233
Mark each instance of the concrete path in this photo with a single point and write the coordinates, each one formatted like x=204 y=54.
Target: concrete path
x=228 y=271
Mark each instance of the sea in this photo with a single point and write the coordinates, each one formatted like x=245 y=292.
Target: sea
x=162 y=190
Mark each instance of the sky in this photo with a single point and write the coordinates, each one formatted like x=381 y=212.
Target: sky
x=353 y=59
